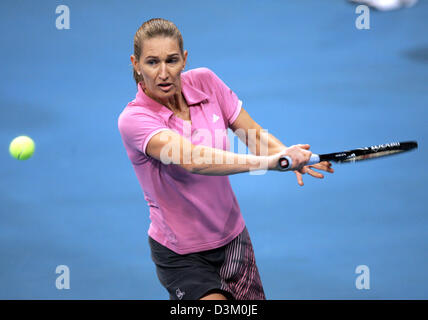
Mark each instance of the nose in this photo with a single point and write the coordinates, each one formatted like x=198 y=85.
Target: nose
x=163 y=73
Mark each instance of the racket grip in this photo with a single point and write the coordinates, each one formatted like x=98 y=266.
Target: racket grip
x=286 y=163
x=315 y=158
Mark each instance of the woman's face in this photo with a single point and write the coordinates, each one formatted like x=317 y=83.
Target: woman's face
x=160 y=65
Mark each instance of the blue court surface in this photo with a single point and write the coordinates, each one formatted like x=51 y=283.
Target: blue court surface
x=303 y=71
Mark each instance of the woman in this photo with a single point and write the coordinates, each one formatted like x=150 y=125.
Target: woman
x=175 y=134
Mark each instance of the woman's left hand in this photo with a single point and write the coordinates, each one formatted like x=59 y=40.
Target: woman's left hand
x=324 y=166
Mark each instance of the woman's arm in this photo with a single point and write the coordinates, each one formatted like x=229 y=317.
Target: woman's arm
x=170 y=147
x=258 y=140
x=262 y=143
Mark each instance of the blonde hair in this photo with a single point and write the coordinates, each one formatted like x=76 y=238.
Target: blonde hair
x=152 y=28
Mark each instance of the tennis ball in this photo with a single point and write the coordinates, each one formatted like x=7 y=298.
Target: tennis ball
x=22 y=148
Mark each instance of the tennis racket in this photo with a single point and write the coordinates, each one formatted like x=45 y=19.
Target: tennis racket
x=380 y=150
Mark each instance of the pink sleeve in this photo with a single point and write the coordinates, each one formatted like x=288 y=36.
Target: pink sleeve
x=228 y=100
x=137 y=128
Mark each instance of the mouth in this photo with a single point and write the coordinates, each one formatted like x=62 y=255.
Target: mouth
x=165 y=86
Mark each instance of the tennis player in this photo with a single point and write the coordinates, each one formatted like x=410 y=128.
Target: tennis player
x=175 y=134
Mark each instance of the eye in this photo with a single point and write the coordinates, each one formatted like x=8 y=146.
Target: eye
x=173 y=60
x=151 y=62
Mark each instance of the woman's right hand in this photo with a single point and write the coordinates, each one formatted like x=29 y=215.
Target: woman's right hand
x=299 y=154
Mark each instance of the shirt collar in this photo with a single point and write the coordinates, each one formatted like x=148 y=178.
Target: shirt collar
x=192 y=95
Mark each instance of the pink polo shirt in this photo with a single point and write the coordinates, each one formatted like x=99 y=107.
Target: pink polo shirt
x=188 y=212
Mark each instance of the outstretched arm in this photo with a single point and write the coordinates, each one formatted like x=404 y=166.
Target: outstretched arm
x=170 y=147
x=260 y=142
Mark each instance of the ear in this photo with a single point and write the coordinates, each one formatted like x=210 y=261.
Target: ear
x=185 y=58
x=135 y=64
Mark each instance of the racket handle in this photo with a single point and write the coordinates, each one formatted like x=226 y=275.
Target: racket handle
x=286 y=163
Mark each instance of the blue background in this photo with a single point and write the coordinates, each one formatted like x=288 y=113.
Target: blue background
x=303 y=71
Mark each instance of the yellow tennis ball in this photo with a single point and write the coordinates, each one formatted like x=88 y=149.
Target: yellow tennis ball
x=22 y=148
